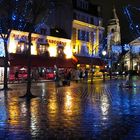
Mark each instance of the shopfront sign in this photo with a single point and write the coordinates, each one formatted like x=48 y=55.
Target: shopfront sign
x=57 y=42
x=39 y=40
x=23 y=37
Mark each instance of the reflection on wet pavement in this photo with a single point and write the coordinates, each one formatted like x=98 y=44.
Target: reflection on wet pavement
x=99 y=111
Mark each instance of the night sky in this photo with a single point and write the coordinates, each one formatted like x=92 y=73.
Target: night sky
x=126 y=33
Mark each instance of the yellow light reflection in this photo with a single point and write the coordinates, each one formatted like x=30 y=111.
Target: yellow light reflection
x=14 y=112
x=35 y=117
x=52 y=108
x=71 y=108
x=98 y=90
x=68 y=108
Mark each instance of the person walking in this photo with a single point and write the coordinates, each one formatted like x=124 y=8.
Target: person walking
x=86 y=75
x=77 y=74
x=17 y=76
x=68 y=77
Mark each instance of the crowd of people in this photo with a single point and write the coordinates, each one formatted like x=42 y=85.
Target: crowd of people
x=70 y=74
x=62 y=77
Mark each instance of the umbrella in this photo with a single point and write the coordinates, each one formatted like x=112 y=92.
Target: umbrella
x=23 y=68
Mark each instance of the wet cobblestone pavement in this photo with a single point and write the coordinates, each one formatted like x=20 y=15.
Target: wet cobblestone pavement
x=101 y=111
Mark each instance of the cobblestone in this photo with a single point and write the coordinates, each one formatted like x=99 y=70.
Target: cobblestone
x=101 y=111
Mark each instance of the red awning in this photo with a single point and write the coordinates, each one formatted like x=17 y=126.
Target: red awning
x=90 y=60
x=41 y=61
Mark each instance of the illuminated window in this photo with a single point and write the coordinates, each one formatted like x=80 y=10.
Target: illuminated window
x=43 y=31
x=82 y=4
x=83 y=35
x=43 y=49
x=60 y=51
x=22 y=47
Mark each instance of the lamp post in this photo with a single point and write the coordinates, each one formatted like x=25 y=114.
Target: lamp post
x=92 y=71
x=92 y=45
x=131 y=59
x=104 y=54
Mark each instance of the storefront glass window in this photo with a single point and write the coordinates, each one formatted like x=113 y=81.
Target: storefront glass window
x=43 y=49
x=60 y=51
x=22 y=47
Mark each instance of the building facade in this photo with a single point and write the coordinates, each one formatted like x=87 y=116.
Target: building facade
x=46 y=52
x=80 y=21
x=74 y=28
x=114 y=48
x=113 y=30
x=132 y=57
x=60 y=18
x=87 y=30
x=41 y=44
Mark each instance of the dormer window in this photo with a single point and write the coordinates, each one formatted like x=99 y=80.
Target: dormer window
x=43 y=31
x=82 y=4
x=43 y=49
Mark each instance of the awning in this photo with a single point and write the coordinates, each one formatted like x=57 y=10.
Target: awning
x=41 y=61
x=90 y=60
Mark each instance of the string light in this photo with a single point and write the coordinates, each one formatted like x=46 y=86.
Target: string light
x=128 y=12
x=51 y=8
x=14 y=17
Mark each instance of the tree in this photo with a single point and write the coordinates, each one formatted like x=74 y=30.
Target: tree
x=15 y=14
x=36 y=13
x=6 y=23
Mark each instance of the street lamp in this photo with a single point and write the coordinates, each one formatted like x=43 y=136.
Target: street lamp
x=104 y=53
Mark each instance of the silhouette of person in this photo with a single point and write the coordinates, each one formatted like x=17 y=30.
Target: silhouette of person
x=17 y=75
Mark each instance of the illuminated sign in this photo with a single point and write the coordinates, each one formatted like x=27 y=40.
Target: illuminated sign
x=40 y=40
x=2 y=52
x=57 y=42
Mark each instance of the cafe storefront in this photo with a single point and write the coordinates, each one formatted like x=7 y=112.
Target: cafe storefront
x=46 y=52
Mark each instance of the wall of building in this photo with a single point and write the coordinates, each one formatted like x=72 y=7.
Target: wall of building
x=61 y=17
x=87 y=29
x=132 y=58
x=85 y=35
x=18 y=43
